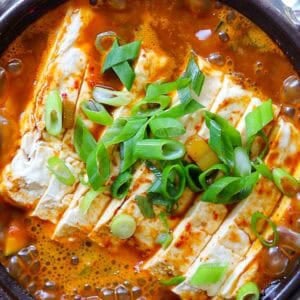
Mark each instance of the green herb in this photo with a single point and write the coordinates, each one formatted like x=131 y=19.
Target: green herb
x=172 y=281
x=121 y=185
x=241 y=160
x=53 y=113
x=166 y=127
x=262 y=168
x=111 y=97
x=87 y=200
x=248 y=290
x=192 y=173
x=123 y=226
x=285 y=182
x=96 y=112
x=146 y=206
x=103 y=36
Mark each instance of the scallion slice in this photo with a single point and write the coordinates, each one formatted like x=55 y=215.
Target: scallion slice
x=87 y=200
x=96 y=112
x=208 y=273
x=172 y=281
x=241 y=160
x=53 y=113
x=173 y=182
x=123 y=226
x=258 y=216
x=285 y=182
x=249 y=290
x=121 y=185
x=125 y=73
x=111 y=97
x=164 y=239
x=59 y=169
x=166 y=127
x=262 y=169
x=146 y=206
x=98 y=166
x=192 y=173
x=103 y=36
x=84 y=141
x=259 y=118
x=159 y=149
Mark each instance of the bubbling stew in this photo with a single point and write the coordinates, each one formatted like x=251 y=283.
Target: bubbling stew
x=149 y=150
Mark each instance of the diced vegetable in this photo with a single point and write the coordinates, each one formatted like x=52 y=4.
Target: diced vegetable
x=121 y=185
x=248 y=291
x=146 y=206
x=96 y=112
x=242 y=164
x=172 y=281
x=110 y=97
x=87 y=200
x=166 y=127
x=123 y=226
x=285 y=182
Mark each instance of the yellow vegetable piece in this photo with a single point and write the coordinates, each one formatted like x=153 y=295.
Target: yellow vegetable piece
x=200 y=152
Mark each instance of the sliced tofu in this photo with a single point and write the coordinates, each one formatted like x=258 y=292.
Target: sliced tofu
x=26 y=178
x=73 y=220
x=194 y=231
x=235 y=233
x=248 y=268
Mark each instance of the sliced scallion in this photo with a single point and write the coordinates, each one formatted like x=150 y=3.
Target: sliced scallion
x=98 y=166
x=87 y=200
x=172 y=281
x=121 y=185
x=159 y=149
x=125 y=73
x=166 y=127
x=248 y=290
x=96 y=112
x=241 y=160
x=53 y=113
x=285 y=182
x=103 y=36
x=111 y=97
x=208 y=273
x=123 y=226
x=59 y=169
x=146 y=206
x=262 y=169
x=257 y=217
x=192 y=173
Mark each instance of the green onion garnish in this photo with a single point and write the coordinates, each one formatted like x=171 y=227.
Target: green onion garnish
x=53 y=113
x=223 y=137
x=121 y=185
x=192 y=173
x=248 y=290
x=208 y=273
x=262 y=168
x=123 y=226
x=125 y=73
x=173 y=182
x=87 y=200
x=285 y=182
x=259 y=118
x=146 y=206
x=98 y=166
x=103 y=36
x=258 y=216
x=172 y=281
x=164 y=239
x=84 y=141
x=61 y=172
x=166 y=127
x=203 y=178
x=241 y=160
x=159 y=149
x=96 y=112
x=110 y=97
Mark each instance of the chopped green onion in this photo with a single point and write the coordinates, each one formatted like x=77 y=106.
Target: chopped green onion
x=258 y=216
x=285 y=182
x=150 y=107
x=121 y=185
x=123 y=226
x=83 y=178
x=166 y=127
x=119 y=54
x=53 y=113
x=96 y=112
x=122 y=129
x=159 y=149
x=242 y=164
x=154 y=169
x=98 y=166
x=208 y=273
x=163 y=218
x=87 y=200
x=84 y=141
x=248 y=290
x=251 y=141
x=102 y=36
x=146 y=206
x=59 y=169
x=172 y=281
x=111 y=97
x=262 y=168
x=181 y=110
x=223 y=137
x=164 y=239
x=259 y=118
x=125 y=73
x=192 y=173
x=173 y=182
x=203 y=178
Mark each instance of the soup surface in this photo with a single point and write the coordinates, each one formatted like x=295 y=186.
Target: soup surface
x=59 y=231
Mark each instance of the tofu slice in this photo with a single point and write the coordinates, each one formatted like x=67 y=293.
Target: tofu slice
x=148 y=229
x=235 y=234
x=149 y=65
x=26 y=178
x=248 y=268
x=195 y=229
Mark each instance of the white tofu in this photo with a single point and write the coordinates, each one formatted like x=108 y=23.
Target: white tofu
x=148 y=65
x=235 y=233
x=26 y=178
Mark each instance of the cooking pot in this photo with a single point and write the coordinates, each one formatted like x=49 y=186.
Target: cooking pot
x=277 y=19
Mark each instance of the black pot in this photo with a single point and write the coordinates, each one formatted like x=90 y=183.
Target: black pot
x=271 y=16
